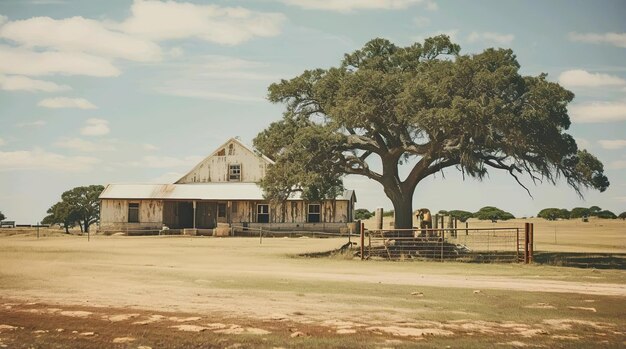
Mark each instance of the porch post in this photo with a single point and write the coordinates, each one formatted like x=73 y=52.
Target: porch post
x=194 y=214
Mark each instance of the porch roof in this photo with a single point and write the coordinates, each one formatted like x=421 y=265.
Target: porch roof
x=195 y=191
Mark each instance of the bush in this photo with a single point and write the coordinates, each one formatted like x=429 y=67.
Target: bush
x=388 y=213
x=362 y=213
x=622 y=215
x=493 y=213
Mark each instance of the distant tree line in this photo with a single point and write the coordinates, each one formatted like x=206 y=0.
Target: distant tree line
x=485 y=213
x=577 y=212
x=78 y=207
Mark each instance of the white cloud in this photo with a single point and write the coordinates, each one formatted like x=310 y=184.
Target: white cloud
x=617 y=165
x=491 y=38
x=22 y=61
x=23 y=83
x=615 y=39
x=152 y=161
x=36 y=123
x=149 y=147
x=214 y=77
x=65 y=102
x=582 y=78
x=598 y=112
x=95 y=127
x=352 y=5
x=612 y=143
x=83 y=145
x=78 y=34
x=38 y=159
x=157 y=20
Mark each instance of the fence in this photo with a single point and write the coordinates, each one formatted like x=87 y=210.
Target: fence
x=463 y=244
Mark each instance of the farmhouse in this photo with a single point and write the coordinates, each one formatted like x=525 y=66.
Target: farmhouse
x=221 y=191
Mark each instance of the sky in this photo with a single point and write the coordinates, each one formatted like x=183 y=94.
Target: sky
x=123 y=91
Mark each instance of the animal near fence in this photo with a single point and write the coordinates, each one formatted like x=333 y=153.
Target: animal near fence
x=513 y=244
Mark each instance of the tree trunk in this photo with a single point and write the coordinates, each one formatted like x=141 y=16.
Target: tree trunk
x=403 y=206
x=67 y=231
x=86 y=225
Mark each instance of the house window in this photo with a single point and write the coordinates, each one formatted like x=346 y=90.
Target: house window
x=263 y=213
x=221 y=210
x=133 y=212
x=234 y=172
x=314 y=213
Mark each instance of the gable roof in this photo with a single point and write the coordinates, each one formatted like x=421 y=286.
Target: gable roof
x=233 y=140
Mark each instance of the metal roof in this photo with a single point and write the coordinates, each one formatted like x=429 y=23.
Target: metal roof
x=194 y=191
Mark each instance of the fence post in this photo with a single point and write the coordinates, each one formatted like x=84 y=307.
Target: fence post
x=517 y=245
x=531 y=241
x=362 y=241
x=526 y=238
x=466 y=228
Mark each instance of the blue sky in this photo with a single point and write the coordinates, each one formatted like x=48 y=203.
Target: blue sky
x=122 y=91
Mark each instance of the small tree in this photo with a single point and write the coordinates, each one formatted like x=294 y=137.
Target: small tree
x=493 y=213
x=2 y=216
x=79 y=205
x=579 y=212
x=622 y=215
x=362 y=213
x=606 y=214
x=461 y=215
x=593 y=210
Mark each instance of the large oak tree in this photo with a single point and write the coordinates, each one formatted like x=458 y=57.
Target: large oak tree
x=427 y=106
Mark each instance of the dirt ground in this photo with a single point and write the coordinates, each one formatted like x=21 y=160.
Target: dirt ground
x=178 y=292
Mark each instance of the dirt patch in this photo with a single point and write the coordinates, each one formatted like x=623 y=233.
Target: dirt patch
x=189 y=328
x=410 y=332
x=76 y=313
x=593 y=310
x=540 y=306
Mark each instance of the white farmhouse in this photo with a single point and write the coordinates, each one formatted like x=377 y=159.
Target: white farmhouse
x=220 y=191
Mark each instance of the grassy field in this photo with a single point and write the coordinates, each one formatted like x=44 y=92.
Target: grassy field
x=236 y=292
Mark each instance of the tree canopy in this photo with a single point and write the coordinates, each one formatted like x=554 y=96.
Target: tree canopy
x=552 y=214
x=2 y=216
x=493 y=213
x=78 y=206
x=425 y=106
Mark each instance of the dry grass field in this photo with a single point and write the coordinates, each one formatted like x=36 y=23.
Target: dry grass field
x=63 y=291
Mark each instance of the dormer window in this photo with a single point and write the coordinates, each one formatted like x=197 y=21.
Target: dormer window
x=234 y=172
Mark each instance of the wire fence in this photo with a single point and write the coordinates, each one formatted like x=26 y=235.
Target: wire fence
x=470 y=245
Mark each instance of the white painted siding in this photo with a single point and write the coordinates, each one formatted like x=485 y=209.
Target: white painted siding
x=215 y=167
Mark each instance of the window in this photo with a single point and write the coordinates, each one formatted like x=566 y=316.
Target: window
x=234 y=172
x=221 y=210
x=263 y=213
x=133 y=212
x=314 y=213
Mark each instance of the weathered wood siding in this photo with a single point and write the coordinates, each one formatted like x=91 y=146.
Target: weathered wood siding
x=290 y=212
x=114 y=213
x=215 y=167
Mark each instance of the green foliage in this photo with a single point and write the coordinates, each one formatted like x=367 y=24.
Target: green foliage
x=552 y=214
x=2 y=216
x=78 y=206
x=493 y=213
x=579 y=212
x=461 y=215
x=606 y=214
x=362 y=213
x=593 y=210
x=425 y=105
x=622 y=215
